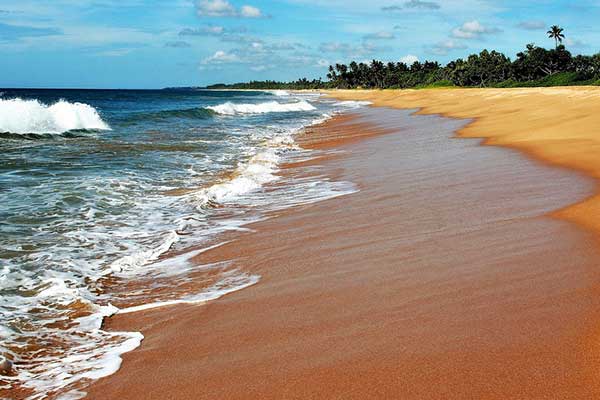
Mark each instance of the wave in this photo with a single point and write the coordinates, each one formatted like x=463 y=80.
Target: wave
x=152 y=243
x=47 y=136
x=230 y=108
x=260 y=169
x=82 y=351
x=279 y=93
x=18 y=116
x=352 y=104
x=131 y=262
x=253 y=174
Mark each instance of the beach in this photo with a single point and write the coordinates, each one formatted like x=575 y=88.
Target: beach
x=554 y=125
x=455 y=271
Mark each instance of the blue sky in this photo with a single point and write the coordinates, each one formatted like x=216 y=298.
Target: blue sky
x=152 y=44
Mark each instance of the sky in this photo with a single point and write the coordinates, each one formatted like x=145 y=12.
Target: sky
x=154 y=44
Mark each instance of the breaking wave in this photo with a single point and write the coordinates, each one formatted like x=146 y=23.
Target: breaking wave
x=248 y=177
x=230 y=108
x=114 y=228
x=20 y=116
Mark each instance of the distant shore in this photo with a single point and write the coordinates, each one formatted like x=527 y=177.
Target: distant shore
x=442 y=278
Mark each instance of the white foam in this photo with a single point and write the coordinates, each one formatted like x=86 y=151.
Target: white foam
x=259 y=170
x=255 y=173
x=324 y=118
x=249 y=176
x=280 y=93
x=176 y=265
x=4 y=273
x=352 y=104
x=31 y=116
x=134 y=245
x=230 y=108
x=141 y=258
x=112 y=359
x=83 y=360
x=227 y=285
x=57 y=289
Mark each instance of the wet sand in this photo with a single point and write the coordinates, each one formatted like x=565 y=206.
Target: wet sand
x=557 y=125
x=443 y=277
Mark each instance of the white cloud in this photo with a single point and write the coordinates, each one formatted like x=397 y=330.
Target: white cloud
x=220 y=57
x=223 y=8
x=260 y=56
x=215 y=8
x=472 y=30
x=444 y=47
x=250 y=12
x=409 y=59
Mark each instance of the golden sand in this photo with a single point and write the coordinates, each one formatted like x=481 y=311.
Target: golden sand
x=558 y=125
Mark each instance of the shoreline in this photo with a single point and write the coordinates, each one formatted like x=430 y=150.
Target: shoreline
x=160 y=367
x=537 y=135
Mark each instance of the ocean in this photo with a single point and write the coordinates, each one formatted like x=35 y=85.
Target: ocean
x=106 y=196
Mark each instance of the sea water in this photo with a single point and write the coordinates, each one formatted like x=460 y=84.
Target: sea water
x=103 y=188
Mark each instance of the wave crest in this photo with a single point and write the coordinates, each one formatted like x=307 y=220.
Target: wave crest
x=230 y=108
x=30 y=116
x=249 y=176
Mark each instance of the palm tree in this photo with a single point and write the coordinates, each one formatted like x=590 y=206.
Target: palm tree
x=556 y=33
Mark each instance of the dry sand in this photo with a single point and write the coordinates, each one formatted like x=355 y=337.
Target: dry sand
x=442 y=278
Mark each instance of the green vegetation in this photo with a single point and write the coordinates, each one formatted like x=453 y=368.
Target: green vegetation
x=556 y=33
x=300 y=84
x=535 y=66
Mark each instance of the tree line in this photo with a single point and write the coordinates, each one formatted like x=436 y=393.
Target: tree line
x=535 y=66
x=300 y=84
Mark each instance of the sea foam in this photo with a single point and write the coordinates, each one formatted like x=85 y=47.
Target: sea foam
x=260 y=169
x=127 y=228
x=230 y=108
x=30 y=116
x=352 y=104
x=279 y=93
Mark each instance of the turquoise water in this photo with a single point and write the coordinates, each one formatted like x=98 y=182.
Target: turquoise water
x=102 y=189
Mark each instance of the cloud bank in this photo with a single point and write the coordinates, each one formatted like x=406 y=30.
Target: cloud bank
x=223 y=8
